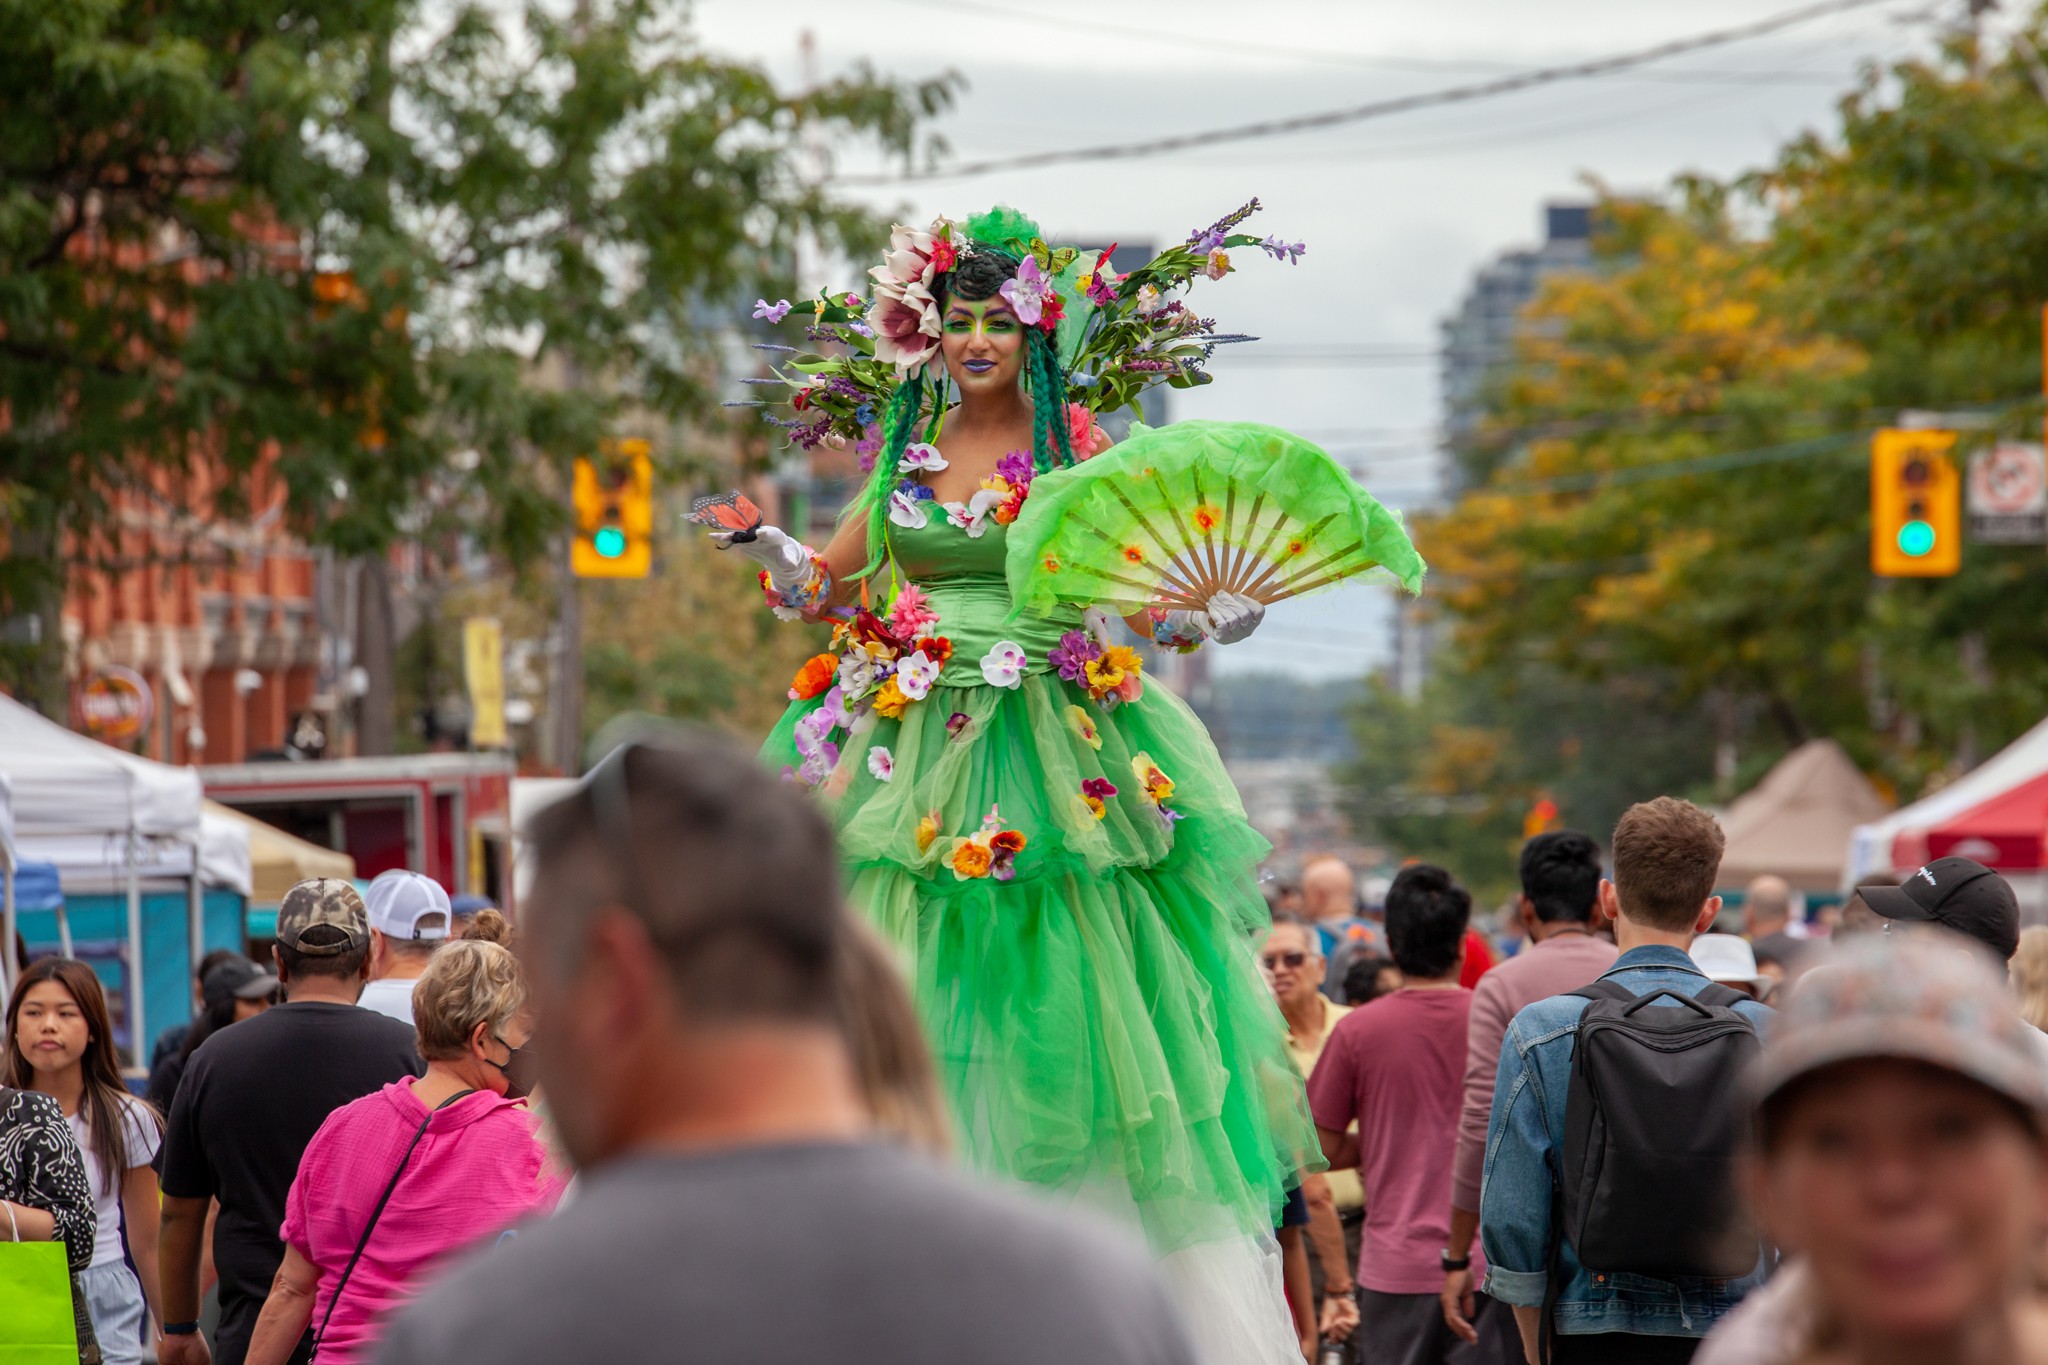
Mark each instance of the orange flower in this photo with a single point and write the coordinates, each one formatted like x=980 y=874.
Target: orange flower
x=1052 y=564
x=1009 y=841
x=1206 y=518
x=889 y=699
x=1094 y=805
x=927 y=832
x=814 y=678
x=1157 y=786
x=937 y=648
x=1134 y=554
x=1295 y=547
x=970 y=859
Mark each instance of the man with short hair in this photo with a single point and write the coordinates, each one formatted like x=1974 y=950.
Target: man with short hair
x=1666 y=855
x=1766 y=923
x=1559 y=909
x=252 y=1098
x=1330 y=905
x=1396 y=1068
x=409 y=917
x=680 y=939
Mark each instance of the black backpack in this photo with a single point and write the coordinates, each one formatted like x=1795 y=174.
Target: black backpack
x=1654 y=1123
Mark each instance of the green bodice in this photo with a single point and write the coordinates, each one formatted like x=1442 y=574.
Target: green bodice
x=963 y=576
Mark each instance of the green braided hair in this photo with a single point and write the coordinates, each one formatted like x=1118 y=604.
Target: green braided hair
x=980 y=272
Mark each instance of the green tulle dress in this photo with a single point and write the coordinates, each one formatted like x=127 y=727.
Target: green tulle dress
x=1098 y=1016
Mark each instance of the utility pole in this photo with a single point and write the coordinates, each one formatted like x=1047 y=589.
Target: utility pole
x=565 y=705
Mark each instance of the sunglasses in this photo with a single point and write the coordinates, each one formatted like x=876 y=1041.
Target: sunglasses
x=1292 y=961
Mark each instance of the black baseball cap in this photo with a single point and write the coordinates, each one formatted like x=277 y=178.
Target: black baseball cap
x=236 y=979
x=1957 y=893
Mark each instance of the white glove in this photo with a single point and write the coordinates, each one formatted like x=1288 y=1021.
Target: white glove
x=1232 y=616
x=787 y=562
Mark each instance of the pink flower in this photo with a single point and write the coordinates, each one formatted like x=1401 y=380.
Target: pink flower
x=1081 y=430
x=906 y=322
x=908 y=259
x=1029 y=292
x=911 y=612
x=773 y=312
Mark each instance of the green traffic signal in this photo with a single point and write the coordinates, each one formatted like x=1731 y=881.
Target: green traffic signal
x=1916 y=538
x=610 y=542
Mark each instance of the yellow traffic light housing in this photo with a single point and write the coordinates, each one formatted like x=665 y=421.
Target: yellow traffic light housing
x=614 y=499
x=1916 y=511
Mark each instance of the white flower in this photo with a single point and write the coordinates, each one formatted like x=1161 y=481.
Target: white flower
x=973 y=515
x=906 y=322
x=915 y=675
x=921 y=458
x=881 y=763
x=856 y=673
x=908 y=259
x=1003 y=666
x=1149 y=301
x=907 y=511
x=1097 y=623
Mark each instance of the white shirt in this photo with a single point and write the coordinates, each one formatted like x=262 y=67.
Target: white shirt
x=390 y=996
x=139 y=1132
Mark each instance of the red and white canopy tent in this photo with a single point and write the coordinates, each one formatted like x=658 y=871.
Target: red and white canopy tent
x=1997 y=813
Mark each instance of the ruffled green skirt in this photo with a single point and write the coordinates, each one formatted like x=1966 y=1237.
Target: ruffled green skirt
x=1098 y=1016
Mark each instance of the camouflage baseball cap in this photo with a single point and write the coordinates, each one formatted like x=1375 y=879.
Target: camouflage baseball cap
x=1924 y=995
x=322 y=917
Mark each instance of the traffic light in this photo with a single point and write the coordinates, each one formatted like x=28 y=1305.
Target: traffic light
x=1916 y=518
x=614 y=497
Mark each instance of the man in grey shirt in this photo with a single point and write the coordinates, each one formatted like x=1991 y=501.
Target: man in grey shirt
x=681 y=943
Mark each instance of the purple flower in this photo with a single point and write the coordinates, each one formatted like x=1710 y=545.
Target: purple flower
x=1016 y=469
x=1203 y=242
x=957 y=723
x=868 y=447
x=773 y=312
x=1281 y=251
x=1028 y=293
x=1168 y=816
x=1072 y=655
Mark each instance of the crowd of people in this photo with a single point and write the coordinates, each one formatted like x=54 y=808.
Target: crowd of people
x=694 y=1111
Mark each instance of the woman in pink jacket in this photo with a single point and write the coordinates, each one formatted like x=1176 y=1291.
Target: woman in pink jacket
x=398 y=1182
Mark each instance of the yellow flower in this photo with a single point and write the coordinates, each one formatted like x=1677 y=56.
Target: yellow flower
x=889 y=699
x=1093 y=805
x=1103 y=674
x=927 y=832
x=1157 y=786
x=1083 y=728
x=1124 y=658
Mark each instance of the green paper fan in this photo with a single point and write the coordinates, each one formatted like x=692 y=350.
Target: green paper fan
x=1177 y=514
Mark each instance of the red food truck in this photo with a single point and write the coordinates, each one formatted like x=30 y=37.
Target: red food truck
x=447 y=815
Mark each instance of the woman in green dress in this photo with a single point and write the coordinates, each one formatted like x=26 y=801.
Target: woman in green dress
x=1055 y=848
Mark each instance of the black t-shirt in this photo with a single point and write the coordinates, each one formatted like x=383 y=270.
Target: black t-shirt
x=252 y=1097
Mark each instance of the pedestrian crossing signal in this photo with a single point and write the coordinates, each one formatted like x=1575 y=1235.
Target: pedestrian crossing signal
x=614 y=499
x=1916 y=496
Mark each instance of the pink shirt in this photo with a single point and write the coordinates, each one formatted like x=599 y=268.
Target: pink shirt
x=1396 y=1067
x=1552 y=967
x=479 y=1168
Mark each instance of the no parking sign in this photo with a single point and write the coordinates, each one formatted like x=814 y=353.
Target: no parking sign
x=2008 y=494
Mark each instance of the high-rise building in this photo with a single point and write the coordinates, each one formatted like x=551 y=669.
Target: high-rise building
x=1477 y=339
x=1481 y=334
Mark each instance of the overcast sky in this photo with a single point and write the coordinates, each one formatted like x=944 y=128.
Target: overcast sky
x=1397 y=212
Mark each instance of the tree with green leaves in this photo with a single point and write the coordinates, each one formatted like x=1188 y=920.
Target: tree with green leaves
x=1669 y=497
x=353 y=237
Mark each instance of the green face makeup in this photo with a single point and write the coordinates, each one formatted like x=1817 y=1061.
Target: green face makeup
x=987 y=317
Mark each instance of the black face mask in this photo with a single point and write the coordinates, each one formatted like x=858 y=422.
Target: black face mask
x=517 y=1069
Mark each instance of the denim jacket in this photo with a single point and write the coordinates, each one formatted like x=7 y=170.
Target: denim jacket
x=1525 y=1147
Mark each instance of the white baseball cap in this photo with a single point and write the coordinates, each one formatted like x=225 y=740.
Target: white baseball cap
x=398 y=900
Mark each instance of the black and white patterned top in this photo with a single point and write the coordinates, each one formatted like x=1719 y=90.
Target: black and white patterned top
x=41 y=1167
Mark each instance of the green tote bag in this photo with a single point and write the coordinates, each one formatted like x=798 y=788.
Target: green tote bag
x=36 y=1324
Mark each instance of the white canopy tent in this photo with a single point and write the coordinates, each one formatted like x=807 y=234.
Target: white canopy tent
x=1877 y=847
x=110 y=821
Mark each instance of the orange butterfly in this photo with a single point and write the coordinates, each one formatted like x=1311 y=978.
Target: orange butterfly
x=733 y=512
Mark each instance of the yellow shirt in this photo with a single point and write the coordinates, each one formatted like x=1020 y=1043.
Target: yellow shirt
x=1345 y=1190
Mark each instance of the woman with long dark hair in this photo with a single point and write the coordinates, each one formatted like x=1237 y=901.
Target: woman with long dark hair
x=60 y=1043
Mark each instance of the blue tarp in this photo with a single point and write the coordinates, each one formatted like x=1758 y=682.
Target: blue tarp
x=36 y=887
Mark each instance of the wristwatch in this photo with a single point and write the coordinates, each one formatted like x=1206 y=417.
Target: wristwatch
x=1456 y=1262
x=180 y=1329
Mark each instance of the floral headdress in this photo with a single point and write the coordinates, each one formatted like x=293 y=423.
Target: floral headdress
x=1098 y=339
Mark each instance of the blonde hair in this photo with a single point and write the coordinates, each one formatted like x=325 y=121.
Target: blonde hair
x=2030 y=975
x=488 y=926
x=467 y=982
x=891 y=1059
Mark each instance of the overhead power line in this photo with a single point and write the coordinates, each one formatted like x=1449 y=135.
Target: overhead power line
x=1317 y=56
x=1459 y=94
